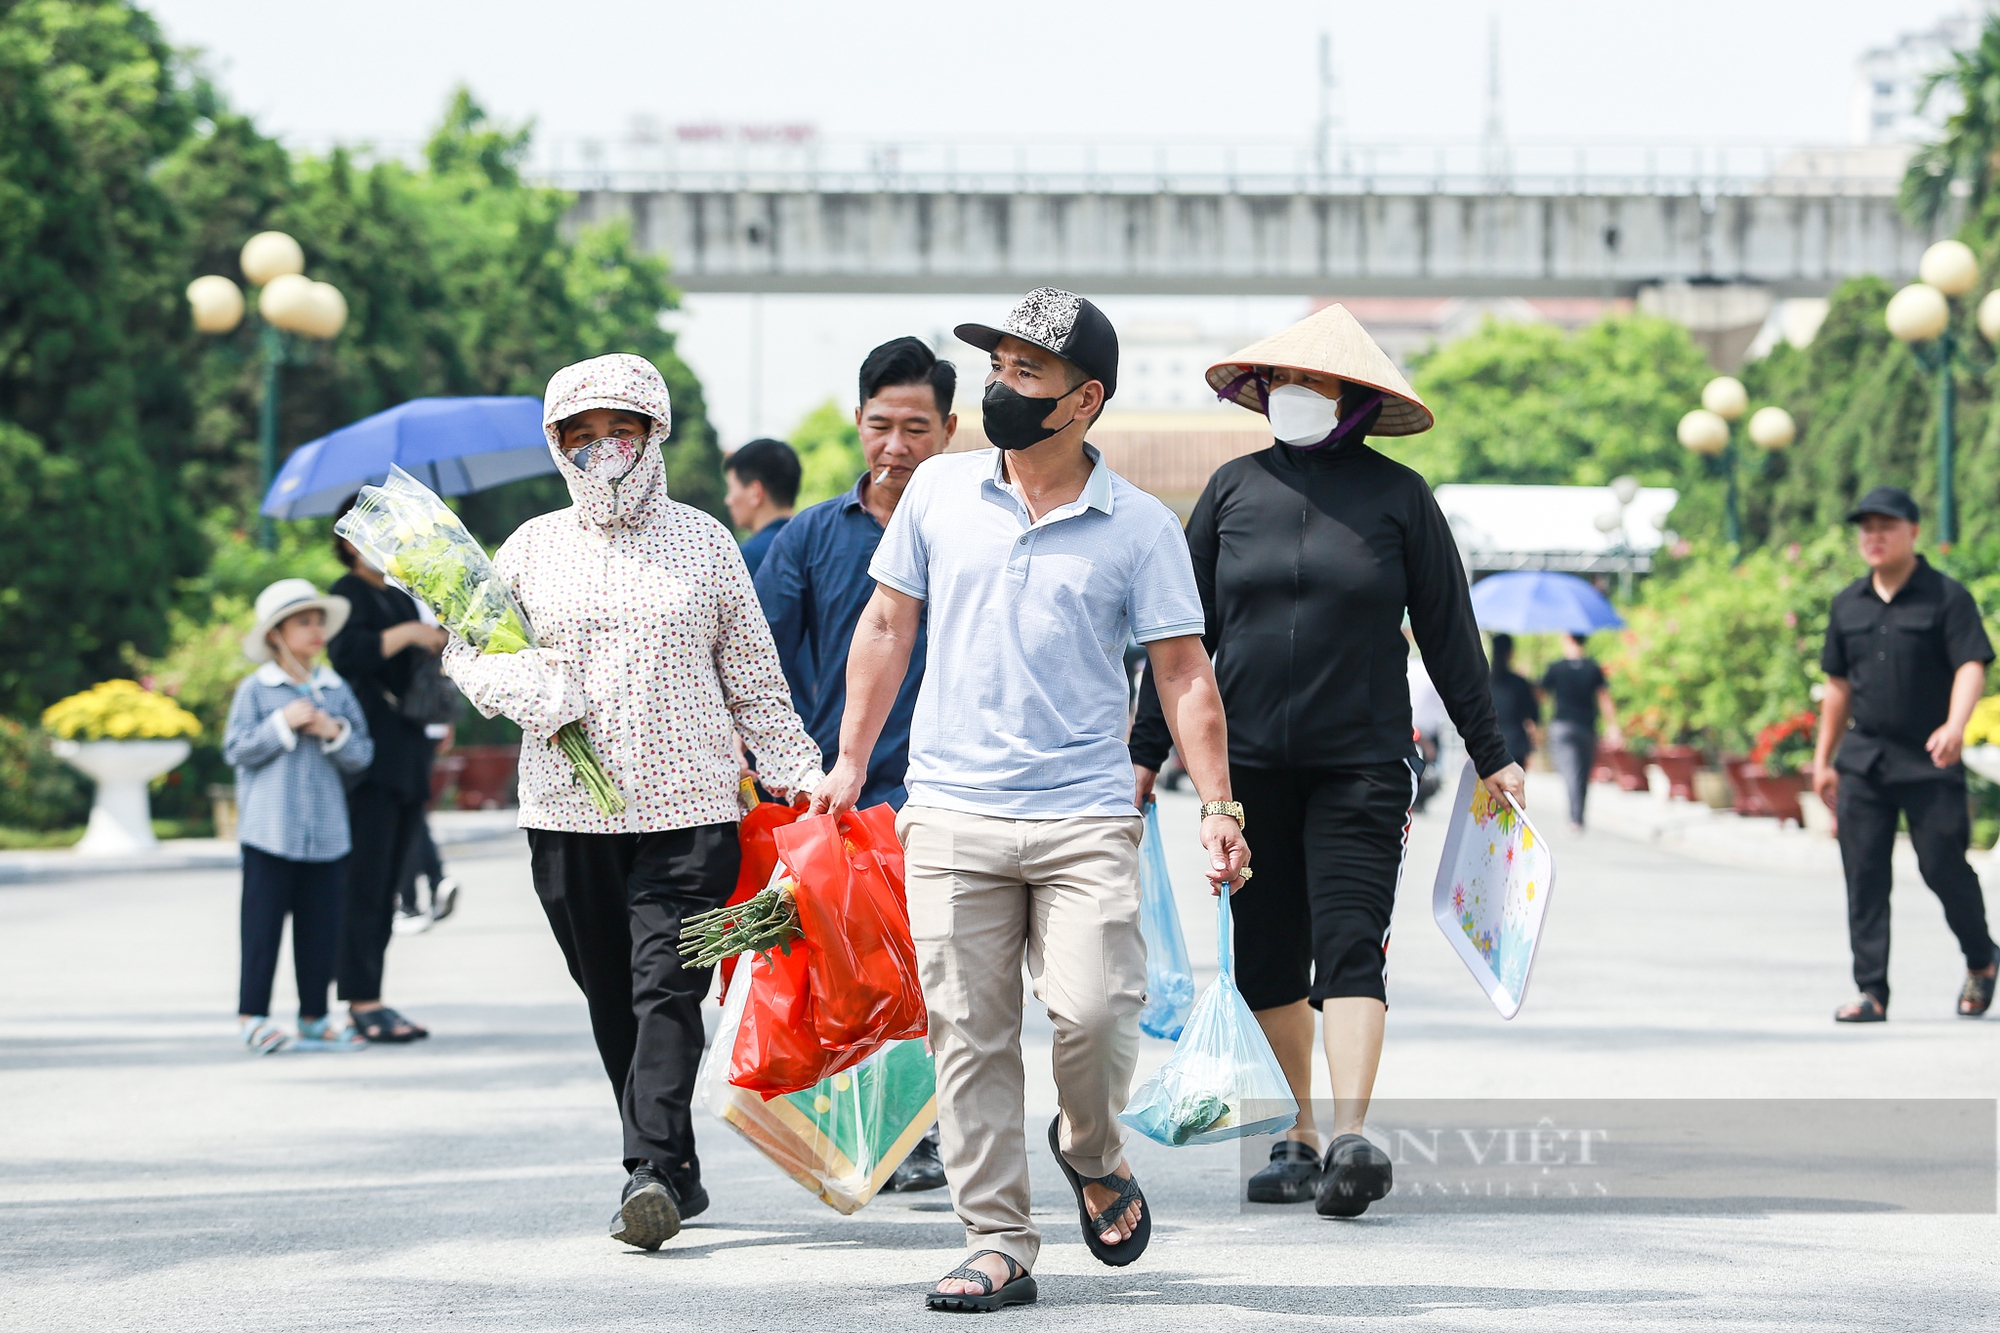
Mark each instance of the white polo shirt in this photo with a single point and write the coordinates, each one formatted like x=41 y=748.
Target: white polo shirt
x=1022 y=713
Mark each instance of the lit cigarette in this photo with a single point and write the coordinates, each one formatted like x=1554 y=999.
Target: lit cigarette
x=884 y=476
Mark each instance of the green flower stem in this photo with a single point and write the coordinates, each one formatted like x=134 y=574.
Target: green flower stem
x=767 y=921
x=576 y=748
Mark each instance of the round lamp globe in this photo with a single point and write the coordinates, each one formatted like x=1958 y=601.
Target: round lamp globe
x=217 y=304
x=287 y=302
x=1704 y=432
x=1724 y=395
x=1949 y=266
x=1918 y=313
x=271 y=254
x=1772 y=428
x=1989 y=316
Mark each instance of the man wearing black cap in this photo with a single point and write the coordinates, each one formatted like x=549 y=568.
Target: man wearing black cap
x=1034 y=564
x=1905 y=658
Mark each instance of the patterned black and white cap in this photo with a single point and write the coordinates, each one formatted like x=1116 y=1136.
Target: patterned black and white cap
x=1060 y=322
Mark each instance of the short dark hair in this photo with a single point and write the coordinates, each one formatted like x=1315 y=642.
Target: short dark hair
x=1503 y=651
x=342 y=551
x=909 y=361
x=772 y=462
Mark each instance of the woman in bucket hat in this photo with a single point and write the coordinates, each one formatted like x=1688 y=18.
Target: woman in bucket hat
x=1308 y=555
x=295 y=733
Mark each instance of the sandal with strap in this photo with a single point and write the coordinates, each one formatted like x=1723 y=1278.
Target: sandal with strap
x=262 y=1036
x=1863 y=1008
x=1134 y=1245
x=1019 y=1289
x=319 y=1034
x=380 y=1025
x=1977 y=997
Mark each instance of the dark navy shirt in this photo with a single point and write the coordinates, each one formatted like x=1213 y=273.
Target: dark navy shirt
x=813 y=583
x=758 y=544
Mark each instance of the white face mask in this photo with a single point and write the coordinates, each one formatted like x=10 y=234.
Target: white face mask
x=1300 y=416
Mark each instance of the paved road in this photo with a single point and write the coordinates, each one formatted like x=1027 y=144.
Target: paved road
x=152 y=1176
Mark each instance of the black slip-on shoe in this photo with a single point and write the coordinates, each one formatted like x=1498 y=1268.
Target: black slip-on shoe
x=1292 y=1176
x=1357 y=1173
x=921 y=1170
x=648 y=1214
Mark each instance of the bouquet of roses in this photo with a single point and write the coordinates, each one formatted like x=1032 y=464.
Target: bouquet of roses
x=409 y=534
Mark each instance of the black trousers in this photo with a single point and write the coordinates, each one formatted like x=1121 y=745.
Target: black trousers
x=1940 y=828
x=382 y=828
x=1573 y=750
x=1313 y=922
x=421 y=859
x=615 y=902
x=310 y=891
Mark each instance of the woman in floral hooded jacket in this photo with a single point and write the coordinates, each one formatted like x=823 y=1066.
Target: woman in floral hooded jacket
x=651 y=633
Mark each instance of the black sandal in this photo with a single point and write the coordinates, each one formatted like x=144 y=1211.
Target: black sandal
x=1134 y=1245
x=1977 y=997
x=1863 y=1008
x=1020 y=1290
x=379 y=1025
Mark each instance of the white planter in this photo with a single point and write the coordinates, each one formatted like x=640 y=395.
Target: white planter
x=1983 y=760
x=121 y=818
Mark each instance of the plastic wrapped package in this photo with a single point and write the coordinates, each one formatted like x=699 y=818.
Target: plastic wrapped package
x=1169 y=977
x=407 y=532
x=840 y=1138
x=759 y=867
x=1222 y=1081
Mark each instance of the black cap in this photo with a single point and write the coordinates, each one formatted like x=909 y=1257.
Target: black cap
x=1060 y=322
x=1893 y=501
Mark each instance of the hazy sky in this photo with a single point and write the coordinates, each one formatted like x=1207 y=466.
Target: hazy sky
x=1709 y=69
x=1771 y=72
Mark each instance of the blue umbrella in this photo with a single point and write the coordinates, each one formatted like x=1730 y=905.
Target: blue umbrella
x=1540 y=601
x=452 y=445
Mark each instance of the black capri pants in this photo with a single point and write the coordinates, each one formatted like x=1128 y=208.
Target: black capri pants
x=1327 y=847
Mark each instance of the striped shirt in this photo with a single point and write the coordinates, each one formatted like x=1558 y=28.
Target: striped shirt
x=290 y=798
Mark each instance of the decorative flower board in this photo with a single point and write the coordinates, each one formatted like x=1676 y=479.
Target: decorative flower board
x=1492 y=891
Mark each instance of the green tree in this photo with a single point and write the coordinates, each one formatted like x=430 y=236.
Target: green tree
x=829 y=453
x=1964 y=154
x=92 y=409
x=1531 y=404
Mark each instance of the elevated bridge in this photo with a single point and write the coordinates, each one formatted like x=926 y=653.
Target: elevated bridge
x=1793 y=228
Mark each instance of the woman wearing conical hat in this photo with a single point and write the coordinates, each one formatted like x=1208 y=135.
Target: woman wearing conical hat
x=1308 y=555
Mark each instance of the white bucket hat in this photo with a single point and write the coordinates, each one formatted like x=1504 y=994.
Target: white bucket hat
x=285 y=598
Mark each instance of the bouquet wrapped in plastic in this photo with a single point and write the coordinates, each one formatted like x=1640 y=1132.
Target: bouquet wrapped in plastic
x=1169 y=977
x=413 y=537
x=1222 y=1081
x=841 y=1137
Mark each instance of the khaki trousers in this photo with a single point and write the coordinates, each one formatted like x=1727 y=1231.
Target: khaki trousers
x=1063 y=894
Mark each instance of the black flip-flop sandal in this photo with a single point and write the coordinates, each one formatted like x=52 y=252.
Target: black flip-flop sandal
x=1864 y=1008
x=379 y=1025
x=1134 y=1245
x=1977 y=997
x=1019 y=1290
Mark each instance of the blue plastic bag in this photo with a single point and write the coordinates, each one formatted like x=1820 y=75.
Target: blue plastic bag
x=1222 y=1082
x=1169 y=978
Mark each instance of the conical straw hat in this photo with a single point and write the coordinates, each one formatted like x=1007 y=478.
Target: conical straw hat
x=1329 y=342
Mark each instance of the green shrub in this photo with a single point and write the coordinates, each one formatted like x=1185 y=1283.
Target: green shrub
x=37 y=790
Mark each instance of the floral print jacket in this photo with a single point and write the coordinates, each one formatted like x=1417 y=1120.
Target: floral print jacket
x=649 y=630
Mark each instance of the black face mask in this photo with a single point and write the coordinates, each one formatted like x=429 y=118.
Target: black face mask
x=1014 y=420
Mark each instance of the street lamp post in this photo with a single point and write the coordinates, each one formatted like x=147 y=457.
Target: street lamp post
x=1920 y=315
x=288 y=302
x=1706 y=431
x=1624 y=490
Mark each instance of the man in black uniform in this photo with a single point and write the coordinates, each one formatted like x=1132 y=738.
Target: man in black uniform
x=1905 y=658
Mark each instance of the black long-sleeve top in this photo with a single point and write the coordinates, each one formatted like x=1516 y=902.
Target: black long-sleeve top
x=402 y=764
x=1306 y=562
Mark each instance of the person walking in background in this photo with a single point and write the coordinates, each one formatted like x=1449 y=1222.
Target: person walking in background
x=761 y=486
x=652 y=637
x=1514 y=704
x=381 y=653
x=1581 y=695
x=1308 y=555
x=1905 y=660
x=1428 y=719
x=814 y=583
x=294 y=733
x=1034 y=563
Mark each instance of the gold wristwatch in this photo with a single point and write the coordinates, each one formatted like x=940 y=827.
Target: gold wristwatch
x=1234 y=809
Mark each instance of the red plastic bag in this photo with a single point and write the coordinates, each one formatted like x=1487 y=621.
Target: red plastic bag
x=850 y=985
x=760 y=858
x=861 y=961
